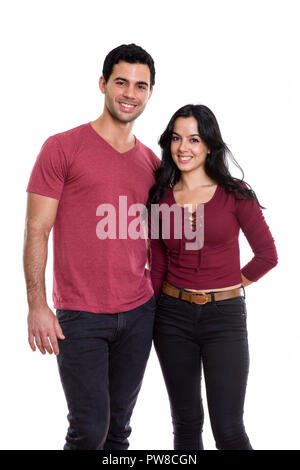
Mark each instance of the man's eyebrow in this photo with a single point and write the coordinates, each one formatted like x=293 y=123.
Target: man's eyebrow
x=140 y=82
x=191 y=135
x=121 y=78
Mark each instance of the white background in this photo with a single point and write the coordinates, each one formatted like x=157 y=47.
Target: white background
x=240 y=58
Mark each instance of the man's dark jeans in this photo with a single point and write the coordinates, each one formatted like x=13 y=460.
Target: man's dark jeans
x=101 y=364
x=214 y=335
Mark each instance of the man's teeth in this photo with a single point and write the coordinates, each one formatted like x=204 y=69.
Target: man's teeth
x=127 y=105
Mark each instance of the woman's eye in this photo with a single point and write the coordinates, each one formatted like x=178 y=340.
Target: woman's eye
x=175 y=138
x=194 y=140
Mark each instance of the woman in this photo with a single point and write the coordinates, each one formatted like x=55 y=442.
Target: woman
x=201 y=311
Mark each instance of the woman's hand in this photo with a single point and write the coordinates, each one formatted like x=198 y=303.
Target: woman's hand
x=245 y=281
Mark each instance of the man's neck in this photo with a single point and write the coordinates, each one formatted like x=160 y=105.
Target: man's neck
x=118 y=134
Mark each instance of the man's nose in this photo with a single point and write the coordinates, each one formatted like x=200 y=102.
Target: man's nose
x=129 y=92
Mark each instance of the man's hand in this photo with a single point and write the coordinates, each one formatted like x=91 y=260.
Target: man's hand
x=44 y=328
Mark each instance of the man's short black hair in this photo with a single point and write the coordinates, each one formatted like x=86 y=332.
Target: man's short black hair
x=129 y=53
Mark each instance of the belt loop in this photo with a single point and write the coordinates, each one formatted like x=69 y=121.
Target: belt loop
x=180 y=292
x=212 y=297
x=244 y=292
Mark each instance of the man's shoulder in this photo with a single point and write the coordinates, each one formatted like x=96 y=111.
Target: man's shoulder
x=151 y=154
x=70 y=136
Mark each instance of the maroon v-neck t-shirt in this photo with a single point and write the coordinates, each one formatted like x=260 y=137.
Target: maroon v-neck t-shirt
x=80 y=169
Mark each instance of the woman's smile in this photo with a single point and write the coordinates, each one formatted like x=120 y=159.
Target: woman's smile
x=184 y=158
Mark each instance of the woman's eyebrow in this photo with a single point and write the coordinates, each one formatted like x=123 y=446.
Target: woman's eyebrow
x=191 y=135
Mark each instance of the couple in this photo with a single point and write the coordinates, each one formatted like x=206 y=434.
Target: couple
x=109 y=306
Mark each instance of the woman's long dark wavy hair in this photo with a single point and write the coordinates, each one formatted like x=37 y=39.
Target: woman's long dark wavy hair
x=216 y=164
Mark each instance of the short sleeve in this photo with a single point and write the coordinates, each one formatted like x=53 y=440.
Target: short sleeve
x=49 y=171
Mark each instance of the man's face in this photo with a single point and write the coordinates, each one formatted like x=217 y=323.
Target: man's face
x=127 y=90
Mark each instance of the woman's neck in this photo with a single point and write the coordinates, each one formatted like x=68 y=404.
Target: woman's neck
x=190 y=182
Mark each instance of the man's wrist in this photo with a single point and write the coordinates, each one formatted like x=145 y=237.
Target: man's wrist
x=37 y=305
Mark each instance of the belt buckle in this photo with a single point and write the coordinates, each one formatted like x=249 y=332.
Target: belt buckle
x=202 y=301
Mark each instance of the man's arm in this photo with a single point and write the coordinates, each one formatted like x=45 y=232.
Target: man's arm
x=43 y=326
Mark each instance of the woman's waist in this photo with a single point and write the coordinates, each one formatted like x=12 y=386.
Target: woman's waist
x=196 y=282
x=202 y=297
x=213 y=289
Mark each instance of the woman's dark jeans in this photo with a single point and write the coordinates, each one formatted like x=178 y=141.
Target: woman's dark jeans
x=188 y=336
x=101 y=364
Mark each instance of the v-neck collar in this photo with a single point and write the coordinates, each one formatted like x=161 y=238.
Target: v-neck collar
x=104 y=142
x=204 y=203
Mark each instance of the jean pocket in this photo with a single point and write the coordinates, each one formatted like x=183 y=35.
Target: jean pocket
x=232 y=307
x=165 y=298
x=64 y=316
x=152 y=300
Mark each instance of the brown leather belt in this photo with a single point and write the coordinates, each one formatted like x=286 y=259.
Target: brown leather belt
x=200 y=298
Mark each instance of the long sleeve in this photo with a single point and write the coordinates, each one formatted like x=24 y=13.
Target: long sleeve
x=158 y=254
x=257 y=232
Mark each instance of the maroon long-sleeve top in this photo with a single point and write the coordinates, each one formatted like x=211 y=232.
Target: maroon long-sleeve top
x=217 y=263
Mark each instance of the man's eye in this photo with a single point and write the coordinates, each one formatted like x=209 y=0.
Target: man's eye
x=142 y=87
x=120 y=83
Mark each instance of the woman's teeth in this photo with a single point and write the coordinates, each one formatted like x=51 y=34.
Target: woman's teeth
x=184 y=159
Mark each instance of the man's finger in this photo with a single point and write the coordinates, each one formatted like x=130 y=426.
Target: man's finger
x=58 y=330
x=46 y=343
x=31 y=340
x=54 y=344
x=38 y=342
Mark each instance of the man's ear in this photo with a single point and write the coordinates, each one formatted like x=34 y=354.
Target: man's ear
x=102 y=84
x=150 y=93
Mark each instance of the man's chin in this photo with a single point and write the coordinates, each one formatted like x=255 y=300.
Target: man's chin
x=123 y=117
x=126 y=118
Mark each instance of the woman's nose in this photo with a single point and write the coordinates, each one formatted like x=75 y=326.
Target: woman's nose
x=183 y=147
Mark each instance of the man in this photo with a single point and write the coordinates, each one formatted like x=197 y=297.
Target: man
x=102 y=292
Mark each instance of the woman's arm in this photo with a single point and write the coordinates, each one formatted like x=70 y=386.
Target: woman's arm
x=158 y=254
x=158 y=266
x=257 y=232
x=245 y=282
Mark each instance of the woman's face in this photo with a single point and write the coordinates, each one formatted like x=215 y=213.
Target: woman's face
x=187 y=148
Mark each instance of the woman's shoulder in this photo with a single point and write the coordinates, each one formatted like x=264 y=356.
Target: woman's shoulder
x=239 y=190
x=167 y=197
